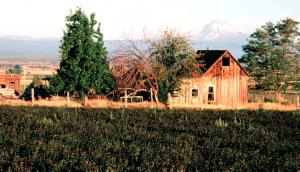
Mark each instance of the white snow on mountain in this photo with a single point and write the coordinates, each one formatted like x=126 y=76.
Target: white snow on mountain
x=218 y=29
x=219 y=34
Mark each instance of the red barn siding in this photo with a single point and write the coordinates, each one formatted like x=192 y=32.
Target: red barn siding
x=10 y=81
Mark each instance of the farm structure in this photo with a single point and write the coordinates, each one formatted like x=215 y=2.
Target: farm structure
x=223 y=81
x=9 y=84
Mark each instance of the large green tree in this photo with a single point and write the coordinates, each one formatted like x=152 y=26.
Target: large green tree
x=176 y=58
x=272 y=55
x=84 y=66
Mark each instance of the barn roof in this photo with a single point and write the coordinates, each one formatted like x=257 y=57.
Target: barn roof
x=211 y=56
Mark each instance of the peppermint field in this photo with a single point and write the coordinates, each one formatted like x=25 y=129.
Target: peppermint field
x=86 y=139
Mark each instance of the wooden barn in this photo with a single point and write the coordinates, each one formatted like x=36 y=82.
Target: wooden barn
x=223 y=81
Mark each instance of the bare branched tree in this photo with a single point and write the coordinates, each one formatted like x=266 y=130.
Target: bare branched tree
x=133 y=67
x=156 y=65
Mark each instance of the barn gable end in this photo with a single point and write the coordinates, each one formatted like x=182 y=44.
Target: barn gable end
x=224 y=81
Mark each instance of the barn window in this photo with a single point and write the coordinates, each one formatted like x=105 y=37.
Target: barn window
x=2 y=86
x=194 y=92
x=225 y=61
x=211 y=96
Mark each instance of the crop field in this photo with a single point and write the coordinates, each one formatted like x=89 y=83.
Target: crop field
x=86 y=139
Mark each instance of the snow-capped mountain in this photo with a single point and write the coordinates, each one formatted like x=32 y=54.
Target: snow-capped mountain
x=219 y=29
x=220 y=35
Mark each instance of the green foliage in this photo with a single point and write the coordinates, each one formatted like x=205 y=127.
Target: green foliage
x=56 y=85
x=16 y=70
x=272 y=55
x=46 y=121
x=72 y=139
x=296 y=85
x=84 y=67
x=40 y=89
x=176 y=57
x=221 y=123
x=102 y=78
x=164 y=89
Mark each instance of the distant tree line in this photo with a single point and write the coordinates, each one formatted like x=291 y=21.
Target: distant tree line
x=16 y=70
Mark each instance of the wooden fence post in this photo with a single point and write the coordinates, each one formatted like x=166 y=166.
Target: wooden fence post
x=68 y=98
x=297 y=103
x=125 y=98
x=85 y=100
x=169 y=100
x=32 y=96
x=151 y=97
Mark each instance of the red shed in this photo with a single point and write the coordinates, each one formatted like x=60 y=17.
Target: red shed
x=9 y=84
x=224 y=81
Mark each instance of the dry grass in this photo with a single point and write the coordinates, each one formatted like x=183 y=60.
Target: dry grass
x=105 y=103
x=199 y=106
x=50 y=103
x=250 y=106
x=272 y=106
x=95 y=103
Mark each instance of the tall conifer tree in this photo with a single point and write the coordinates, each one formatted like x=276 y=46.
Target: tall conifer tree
x=84 y=67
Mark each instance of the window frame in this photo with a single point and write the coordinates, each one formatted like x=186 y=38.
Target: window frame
x=196 y=92
x=224 y=61
x=211 y=94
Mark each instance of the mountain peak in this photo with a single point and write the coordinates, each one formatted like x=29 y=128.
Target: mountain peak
x=218 y=29
x=220 y=35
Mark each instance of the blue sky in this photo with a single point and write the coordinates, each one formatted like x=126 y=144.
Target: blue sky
x=45 y=18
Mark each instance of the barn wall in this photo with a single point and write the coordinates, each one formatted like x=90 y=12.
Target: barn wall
x=10 y=81
x=229 y=83
x=201 y=84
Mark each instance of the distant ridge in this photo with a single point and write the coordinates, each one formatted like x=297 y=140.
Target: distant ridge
x=28 y=48
x=20 y=47
x=217 y=35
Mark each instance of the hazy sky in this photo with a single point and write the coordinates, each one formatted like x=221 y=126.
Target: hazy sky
x=45 y=18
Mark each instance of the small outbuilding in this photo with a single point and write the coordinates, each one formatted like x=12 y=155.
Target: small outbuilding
x=223 y=81
x=9 y=84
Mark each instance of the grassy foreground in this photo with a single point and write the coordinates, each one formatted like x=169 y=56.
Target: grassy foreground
x=66 y=139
